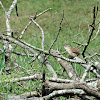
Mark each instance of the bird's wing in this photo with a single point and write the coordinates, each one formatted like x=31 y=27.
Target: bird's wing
x=75 y=51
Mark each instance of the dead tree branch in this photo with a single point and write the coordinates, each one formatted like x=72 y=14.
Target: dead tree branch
x=76 y=85
x=3 y=7
x=93 y=28
x=68 y=68
x=55 y=38
x=30 y=94
x=36 y=76
x=12 y=7
x=61 y=92
x=17 y=53
x=43 y=86
x=8 y=46
x=57 y=33
x=86 y=72
x=96 y=33
x=91 y=69
x=33 y=17
x=30 y=48
x=42 y=43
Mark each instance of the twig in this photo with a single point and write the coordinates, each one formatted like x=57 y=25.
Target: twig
x=33 y=59
x=34 y=17
x=50 y=68
x=96 y=33
x=17 y=53
x=63 y=92
x=42 y=43
x=36 y=76
x=86 y=72
x=30 y=48
x=94 y=53
x=79 y=43
x=12 y=7
x=91 y=57
x=68 y=67
x=85 y=38
x=85 y=66
x=21 y=85
x=57 y=33
x=88 y=57
x=91 y=80
x=41 y=13
x=56 y=37
x=16 y=10
x=43 y=86
x=93 y=28
x=25 y=29
x=2 y=7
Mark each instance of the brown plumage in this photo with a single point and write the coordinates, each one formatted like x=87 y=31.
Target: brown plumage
x=72 y=52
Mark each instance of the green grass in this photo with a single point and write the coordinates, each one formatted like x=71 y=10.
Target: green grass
x=78 y=16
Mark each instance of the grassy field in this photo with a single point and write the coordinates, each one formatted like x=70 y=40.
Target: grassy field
x=78 y=16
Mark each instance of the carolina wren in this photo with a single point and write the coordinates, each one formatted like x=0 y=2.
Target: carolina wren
x=72 y=52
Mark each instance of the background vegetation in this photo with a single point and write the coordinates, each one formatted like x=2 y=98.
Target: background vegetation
x=77 y=18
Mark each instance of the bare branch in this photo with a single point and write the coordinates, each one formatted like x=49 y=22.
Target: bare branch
x=43 y=86
x=79 y=43
x=3 y=7
x=25 y=29
x=36 y=76
x=62 y=92
x=50 y=68
x=92 y=69
x=30 y=94
x=93 y=25
x=34 y=17
x=42 y=43
x=68 y=68
x=59 y=80
x=30 y=48
x=8 y=46
x=86 y=72
x=91 y=80
x=76 y=85
x=88 y=57
x=55 y=38
x=17 y=53
x=96 y=33
x=33 y=59
x=41 y=13
x=16 y=10
x=12 y=7
x=57 y=33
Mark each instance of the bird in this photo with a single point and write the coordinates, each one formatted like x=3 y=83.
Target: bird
x=72 y=52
